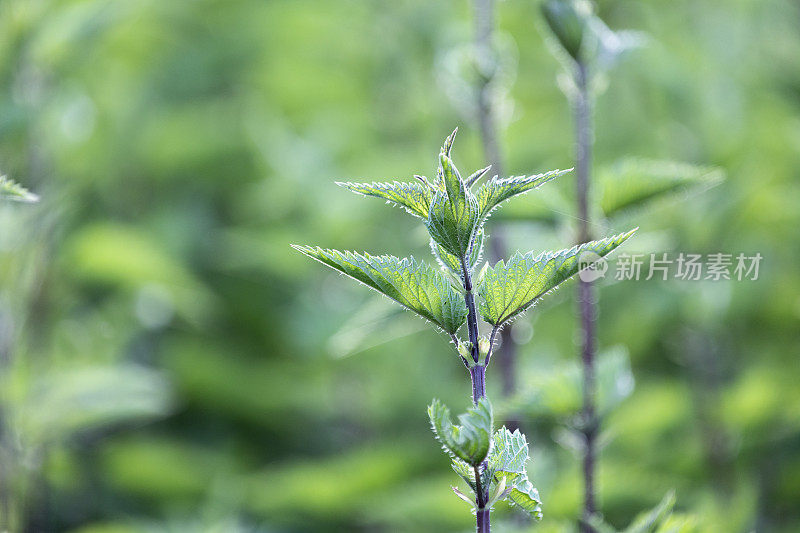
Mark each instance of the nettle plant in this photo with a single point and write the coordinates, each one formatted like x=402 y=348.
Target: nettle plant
x=455 y=210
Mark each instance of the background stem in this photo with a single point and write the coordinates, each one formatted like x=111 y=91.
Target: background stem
x=586 y=297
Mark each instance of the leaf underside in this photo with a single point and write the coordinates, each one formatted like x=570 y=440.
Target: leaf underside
x=509 y=288
x=414 y=285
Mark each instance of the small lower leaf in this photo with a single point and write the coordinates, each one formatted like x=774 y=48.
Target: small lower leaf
x=469 y=441
x=506 y=465
x=525 y=496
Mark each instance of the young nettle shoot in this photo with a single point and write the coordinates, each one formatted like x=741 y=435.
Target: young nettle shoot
x=13 y=191
x=459 y=293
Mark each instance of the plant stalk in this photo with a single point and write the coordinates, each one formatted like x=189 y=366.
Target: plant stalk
x=481 y=512
x=472 y=321
x=586 y=294
x=477 y=373
x=484 y=525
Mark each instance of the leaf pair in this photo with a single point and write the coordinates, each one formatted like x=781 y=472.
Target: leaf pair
x=505 y=290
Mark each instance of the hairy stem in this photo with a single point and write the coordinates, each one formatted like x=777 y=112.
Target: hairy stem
x=484 y=28
x=477 y=373
x=472 y=316
x=586 y=297
x=484 y=525
x=482 y=513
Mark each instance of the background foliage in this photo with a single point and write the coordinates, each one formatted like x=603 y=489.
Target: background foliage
x=169 y=364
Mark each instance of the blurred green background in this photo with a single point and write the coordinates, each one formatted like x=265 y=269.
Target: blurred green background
x=167 y=363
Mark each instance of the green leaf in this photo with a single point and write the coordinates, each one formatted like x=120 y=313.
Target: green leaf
x=633 y=182
x=11 y=190
x=507 y=462
x=600 y=525
x=475 y=176
x=509 y=453
x=413 y=197
x=508 y=289
x=464 y=470
x=469 y=441
x=448 y=143
x=555 y=390
x=566 y=23
x=445 y=258
x=525 y=496
x=647 y=522
x=453 y=215
x=64 y=401
x=498 y=190
x=454 y=212
x=414 y=285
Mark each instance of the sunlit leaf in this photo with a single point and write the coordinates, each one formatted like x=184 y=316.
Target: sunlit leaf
x=525 y=496
x=413 y=197
x=11 y=190
x=506 y=463
x=414 y=285
x=510 y=452
x=508 y=289
x=498 y=190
